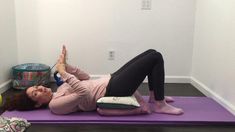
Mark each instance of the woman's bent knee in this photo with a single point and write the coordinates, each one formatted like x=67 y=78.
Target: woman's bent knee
x=158 y=56
x=151 y=50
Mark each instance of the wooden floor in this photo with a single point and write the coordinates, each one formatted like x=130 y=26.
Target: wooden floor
x=170 y=89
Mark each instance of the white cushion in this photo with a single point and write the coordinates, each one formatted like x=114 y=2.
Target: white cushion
x=128 y=102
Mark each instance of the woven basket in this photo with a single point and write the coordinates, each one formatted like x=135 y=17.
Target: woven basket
x=30 y=74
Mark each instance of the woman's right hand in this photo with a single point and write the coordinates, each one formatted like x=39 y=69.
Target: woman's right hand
x=64 y=53
x=60 y=66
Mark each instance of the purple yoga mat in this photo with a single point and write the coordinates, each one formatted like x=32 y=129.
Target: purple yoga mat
x=198 y=110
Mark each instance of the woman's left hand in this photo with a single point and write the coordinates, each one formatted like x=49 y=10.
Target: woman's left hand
x=60 y=66
x=64 y=53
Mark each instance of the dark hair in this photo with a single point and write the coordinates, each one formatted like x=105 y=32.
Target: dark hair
x=20 y=101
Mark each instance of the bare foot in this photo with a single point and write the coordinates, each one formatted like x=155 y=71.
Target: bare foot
x=145 y=107
x=163 y=107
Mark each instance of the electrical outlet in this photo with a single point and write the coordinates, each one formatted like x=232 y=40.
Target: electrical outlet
x=111 y=55
x=146 y=5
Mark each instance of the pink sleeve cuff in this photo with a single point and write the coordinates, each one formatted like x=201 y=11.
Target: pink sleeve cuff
x=65 y=76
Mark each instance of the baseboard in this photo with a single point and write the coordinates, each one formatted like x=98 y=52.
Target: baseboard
x=209 y=93
x=5 y=86
x=177 y=79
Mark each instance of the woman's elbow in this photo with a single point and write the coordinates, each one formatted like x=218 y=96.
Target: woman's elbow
x=57 y=110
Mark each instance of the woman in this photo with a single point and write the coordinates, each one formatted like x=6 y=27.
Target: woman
x=78 y=93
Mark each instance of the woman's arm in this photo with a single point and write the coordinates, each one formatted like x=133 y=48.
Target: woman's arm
x=64 y=104
x=80 y=74
x=69 y=78
x=74 y=83
x=76 y=71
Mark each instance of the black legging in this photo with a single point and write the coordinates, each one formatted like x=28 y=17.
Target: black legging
x=127 y=79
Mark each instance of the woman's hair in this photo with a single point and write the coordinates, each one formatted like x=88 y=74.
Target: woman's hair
x=21 y=102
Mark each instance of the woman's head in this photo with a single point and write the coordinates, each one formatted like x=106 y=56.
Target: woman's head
x=29 y=99
x=40 y=94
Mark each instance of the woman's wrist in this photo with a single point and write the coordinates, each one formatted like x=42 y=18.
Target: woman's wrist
x=61 y=72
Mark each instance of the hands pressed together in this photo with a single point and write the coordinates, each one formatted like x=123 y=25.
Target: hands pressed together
x=61 y=62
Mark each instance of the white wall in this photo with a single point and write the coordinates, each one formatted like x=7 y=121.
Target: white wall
x=90 y=28
x=8 y=45
x=214 y=50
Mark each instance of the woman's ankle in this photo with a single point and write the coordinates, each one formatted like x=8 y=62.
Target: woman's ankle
x=166 y=98
x=160 y=102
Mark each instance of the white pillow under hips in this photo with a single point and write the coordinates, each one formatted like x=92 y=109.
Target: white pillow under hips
x=128 y=102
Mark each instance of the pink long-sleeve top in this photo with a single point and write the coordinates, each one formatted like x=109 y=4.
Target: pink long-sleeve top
x=77 y=93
